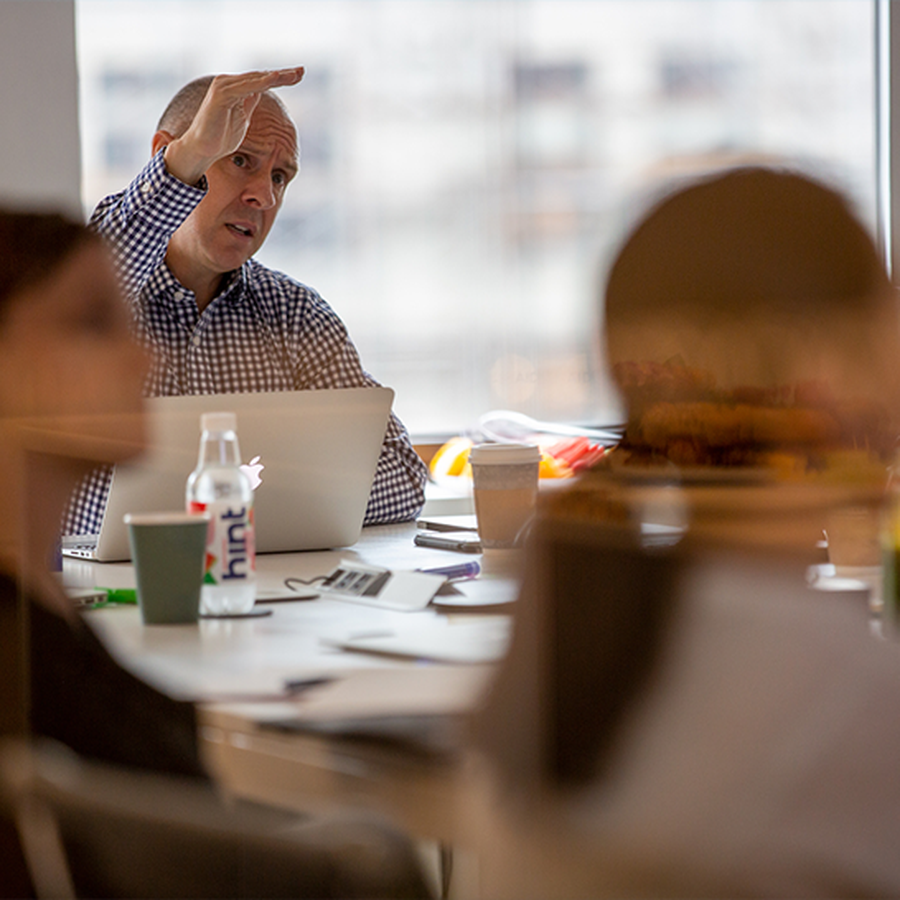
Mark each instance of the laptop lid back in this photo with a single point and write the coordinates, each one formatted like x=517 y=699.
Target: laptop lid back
x=311 y=455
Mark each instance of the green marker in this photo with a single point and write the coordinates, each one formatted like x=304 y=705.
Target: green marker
x=120 y=595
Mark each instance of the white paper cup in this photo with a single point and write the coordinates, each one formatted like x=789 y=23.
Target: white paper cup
x=505 y=486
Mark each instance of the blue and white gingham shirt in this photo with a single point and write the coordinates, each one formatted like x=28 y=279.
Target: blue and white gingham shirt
x=262 y=332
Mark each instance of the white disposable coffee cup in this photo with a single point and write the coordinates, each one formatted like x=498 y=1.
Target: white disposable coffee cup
x=505 y=481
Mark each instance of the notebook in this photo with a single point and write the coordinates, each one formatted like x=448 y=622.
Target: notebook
x=310 y=454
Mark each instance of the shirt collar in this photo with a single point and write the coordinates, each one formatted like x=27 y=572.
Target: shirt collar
x=164 y=285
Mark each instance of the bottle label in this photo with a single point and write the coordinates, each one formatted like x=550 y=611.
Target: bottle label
x=230 y=542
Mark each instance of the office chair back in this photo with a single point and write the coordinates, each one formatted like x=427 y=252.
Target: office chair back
x=93 y=830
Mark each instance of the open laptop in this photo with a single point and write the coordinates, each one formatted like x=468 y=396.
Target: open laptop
x=310 y=454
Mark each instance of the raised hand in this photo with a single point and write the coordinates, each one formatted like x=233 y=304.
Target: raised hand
x=222 y=120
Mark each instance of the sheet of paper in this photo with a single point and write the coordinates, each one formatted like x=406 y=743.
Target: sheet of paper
x=485 y=640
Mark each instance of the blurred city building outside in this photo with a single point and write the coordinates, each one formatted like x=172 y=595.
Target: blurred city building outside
x=468 y=165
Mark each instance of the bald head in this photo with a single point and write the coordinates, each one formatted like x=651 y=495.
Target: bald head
x=182 y=108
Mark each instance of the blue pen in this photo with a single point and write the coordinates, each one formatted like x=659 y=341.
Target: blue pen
x=461 y=570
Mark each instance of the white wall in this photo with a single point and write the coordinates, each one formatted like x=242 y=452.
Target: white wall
x=40 y=159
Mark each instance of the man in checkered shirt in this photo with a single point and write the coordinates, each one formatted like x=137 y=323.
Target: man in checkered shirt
x=214 y=320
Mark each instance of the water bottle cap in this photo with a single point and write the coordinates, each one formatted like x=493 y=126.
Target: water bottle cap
x=218 y=421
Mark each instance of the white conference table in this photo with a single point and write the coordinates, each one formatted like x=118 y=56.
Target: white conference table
x=237 y=668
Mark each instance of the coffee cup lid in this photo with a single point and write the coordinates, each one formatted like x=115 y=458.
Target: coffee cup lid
x=504 y=454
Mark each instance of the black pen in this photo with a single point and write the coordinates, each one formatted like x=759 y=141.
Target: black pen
x=297 y=686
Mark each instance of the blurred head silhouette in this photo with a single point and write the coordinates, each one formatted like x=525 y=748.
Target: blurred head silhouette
x=70 y=377
x=69 y=369
x=757 y=286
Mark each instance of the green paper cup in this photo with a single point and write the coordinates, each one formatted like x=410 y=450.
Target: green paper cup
x=168 y=551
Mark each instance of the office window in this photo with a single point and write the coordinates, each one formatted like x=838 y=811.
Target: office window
x=470 y=165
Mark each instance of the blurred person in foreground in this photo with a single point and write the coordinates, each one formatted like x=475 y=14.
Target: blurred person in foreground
x=680 y=713
x=70 y=397
x=215 y=320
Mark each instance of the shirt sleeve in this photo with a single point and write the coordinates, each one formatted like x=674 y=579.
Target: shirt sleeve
x=325 y=357
x=84 y=512
x=136 y=225
x=398 y=490
x=138 y=222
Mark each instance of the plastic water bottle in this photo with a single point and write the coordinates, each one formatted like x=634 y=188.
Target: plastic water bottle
x=218 y=487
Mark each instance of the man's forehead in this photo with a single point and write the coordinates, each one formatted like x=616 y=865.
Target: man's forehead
x=271 y=126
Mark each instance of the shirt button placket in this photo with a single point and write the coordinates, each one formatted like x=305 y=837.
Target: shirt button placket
x=194 y=361
x=194 y=365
